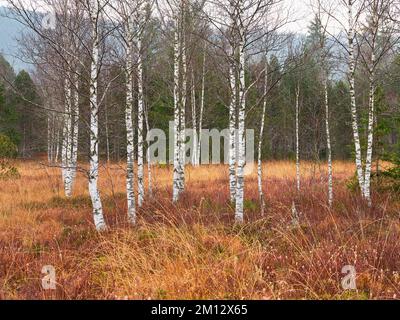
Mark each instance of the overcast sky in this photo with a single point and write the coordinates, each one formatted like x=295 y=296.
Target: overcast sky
x=300 y=10
x=301 y=14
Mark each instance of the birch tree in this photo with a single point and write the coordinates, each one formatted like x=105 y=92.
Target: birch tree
x=328 y=145
x=377 y=13
x=127 y=12
x=378 y=39
x=67 y=139
x=133 y=16
x=194 y=120
x=354 y=10
x=260 y=142
x=241 y=161
x=240 y=23
x=202 y=105
x=130 y=137
x=60 y=51
x=232 y=125
x=177 y=12
x=140 y=24
x=178 y=165
x=95 y=9
x=351 y=76
x=298 y=174
x=272 y=42
x=323 y=59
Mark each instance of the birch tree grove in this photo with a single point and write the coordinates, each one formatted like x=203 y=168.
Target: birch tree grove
x=162 y=149
x=108 y=72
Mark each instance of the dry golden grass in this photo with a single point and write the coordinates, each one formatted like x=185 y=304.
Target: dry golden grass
x=193 y=250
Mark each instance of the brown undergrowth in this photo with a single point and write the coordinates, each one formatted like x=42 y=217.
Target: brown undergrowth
x=193 y=250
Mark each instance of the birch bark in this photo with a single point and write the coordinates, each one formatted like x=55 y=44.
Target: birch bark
x=183 y=106
x=177 y=140
x=232 y=132
x=202 y=104
x=241 y=161
x=75 y=134
x=298 y=180
x=67 y=139
x=140 y=123
x=149 y=165
x=371 y=121
x=194 y=121
x=329 y=146
x=49 y=140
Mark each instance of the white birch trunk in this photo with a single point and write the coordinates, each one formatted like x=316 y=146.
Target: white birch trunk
x=94 y=120
x=232 y=128
x=298 y=182
x=107 y=134
x=328 y=145
x=49 y=140
x=183 y=109
x=57 y=155
x=194 y=121
x=260 y=143
x=140 y=125
x=177 y=139
x=241 y=161
x=75 y=129
x=53 y=138
x=371 y=121
x=67 y=139
x=149 y=166
x=130 y=137
x=202 y=104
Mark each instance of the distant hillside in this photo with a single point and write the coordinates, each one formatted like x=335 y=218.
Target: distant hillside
x=9 y=32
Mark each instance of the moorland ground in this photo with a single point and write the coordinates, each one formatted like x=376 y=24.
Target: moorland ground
x=193 y=250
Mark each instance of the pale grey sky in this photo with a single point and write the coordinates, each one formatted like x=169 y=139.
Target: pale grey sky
x=300 y=10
